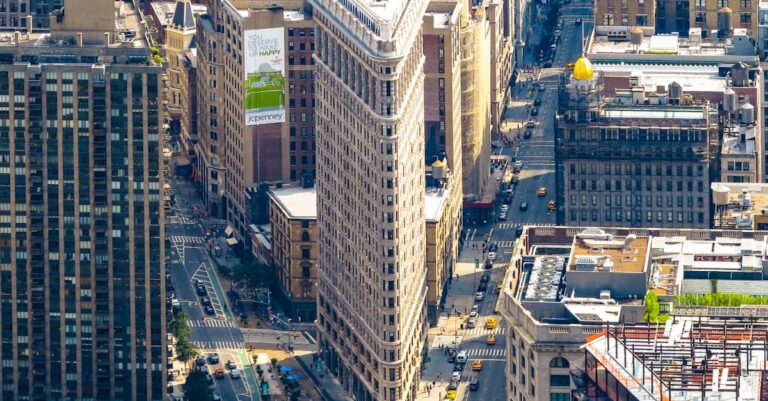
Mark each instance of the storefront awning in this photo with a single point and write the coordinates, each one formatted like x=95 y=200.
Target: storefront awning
x=231 y=241
x=229 y=230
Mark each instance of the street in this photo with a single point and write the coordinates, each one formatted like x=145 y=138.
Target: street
x=537 y=155
x=190 y=263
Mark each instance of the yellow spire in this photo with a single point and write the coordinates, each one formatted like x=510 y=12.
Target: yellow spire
x=582 y=70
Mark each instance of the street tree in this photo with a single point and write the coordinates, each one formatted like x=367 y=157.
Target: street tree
x=253 y=275
x=196 y=387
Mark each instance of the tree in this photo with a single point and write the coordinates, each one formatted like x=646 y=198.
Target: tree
x=180 y=326
x=652 y=309
x=196 y=387
x=253 y=275
x=185 y=351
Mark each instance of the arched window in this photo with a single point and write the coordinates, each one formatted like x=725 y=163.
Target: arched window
x=559 y=362
x=304 y=236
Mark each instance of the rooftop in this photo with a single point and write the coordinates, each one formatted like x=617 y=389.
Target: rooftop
x=296 y=202
x=434 y=203
x=697 y=78
x=734 y=145
x=596 y=250
x=166 y=11
x=128 y=33
x=686 y=359
x=743 y=204
x=673 y=49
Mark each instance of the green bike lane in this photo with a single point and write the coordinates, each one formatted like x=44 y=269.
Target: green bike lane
x=248 y=368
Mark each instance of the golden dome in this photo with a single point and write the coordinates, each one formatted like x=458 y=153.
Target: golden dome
x=438 y=164
x=582 y=70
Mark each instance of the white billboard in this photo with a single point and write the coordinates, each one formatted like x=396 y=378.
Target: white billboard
x=264 y=82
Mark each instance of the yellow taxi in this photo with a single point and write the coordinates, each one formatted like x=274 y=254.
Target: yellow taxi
x=499 y=287
x=491 y=339
x=542 y=191
x=491 y=323
x=477 y=366
x=450 y=395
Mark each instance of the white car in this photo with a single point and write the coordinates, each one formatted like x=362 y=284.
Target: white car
x=519 y=164
x=479 y=296
x=504 y=208
x=234 y=373
x=456 y=376
x=473 y=313
x=491 y=255
x=503 y=216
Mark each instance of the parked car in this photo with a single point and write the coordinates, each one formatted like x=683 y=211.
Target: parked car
x=530 y=123
x=213 y=358
x=217 y=397
x=524 y=206
x=479 y=296
x=219 y=373
x=481 y=287
x=485 y=278
x=461 y=357
x=201 y=290
x=503 y=216
x=209 y=310
x=472 y=323
x=535 y=111
x=456 y=376
x=205 y=300
x=527 y=134
x=234 y=373
x=537 y=102
x=200 y=360
x=491 y=256
x=231 y=365
x=209 y=379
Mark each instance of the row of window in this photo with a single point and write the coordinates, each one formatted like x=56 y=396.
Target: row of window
x=608 y=169
x=616 y=201
x=628 y=215
x=617 y=185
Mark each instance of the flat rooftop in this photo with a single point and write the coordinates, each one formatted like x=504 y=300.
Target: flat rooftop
x=733 y=145
x=129 y=31
x=744 y=202
x=296 y=202
x=434 y=203
x=657 y=44
x=697 y=78
x=615 y=254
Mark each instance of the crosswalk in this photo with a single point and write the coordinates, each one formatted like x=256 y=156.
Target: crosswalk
x=507 y=226
x=218 y=344
x=504 y=244
x=187 y=239
x=479 y=331
x=488 y=352
x=180 y=220
x=211 y=323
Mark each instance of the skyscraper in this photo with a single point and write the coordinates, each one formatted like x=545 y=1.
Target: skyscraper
x=369 y=90
x=81 y=227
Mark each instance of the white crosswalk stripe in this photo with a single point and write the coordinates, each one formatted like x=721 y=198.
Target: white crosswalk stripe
x=180 y=220
x=219 y=344
x=506 y=226
x=211 y=323
x=498 y=352
x=186 y=238
x=504 y=244
x=479 y=331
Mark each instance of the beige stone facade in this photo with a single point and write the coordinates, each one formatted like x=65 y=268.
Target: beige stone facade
x=178 y=37
x=475 y=100
x=293 y=218
x=443 y=225
x=371 y=188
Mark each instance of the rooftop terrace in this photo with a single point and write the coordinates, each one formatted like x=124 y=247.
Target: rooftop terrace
x=594 y=250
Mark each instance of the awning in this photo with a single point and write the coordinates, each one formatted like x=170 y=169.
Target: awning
x=229 y=230
x=231 y=241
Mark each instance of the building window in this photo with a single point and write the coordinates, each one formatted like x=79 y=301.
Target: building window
x=304 y=236
x=305 y=254
x=745 y=18
x=559 y=362
x=306 y=271
x=560 y=380
x=559 y=397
